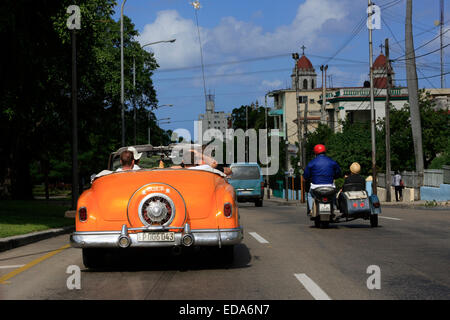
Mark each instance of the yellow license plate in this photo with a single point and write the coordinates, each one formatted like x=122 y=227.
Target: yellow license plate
x=156 y=236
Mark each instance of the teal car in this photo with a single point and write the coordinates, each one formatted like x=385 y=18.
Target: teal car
x=247 y=180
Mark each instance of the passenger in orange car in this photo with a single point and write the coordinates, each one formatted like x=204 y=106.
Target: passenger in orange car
x=126 y=160
x=136 y=157
x=200 y=161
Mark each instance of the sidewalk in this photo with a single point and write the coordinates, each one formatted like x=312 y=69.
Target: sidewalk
x=283 y=202
x=413 y=204
x=24 y=239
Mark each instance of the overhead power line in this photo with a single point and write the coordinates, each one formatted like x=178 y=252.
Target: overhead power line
x=429 y=77
x=422 y=55
x=252 y=60
x=393 y=35
x=428 y=42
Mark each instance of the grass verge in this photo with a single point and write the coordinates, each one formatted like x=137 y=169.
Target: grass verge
x=21 y=217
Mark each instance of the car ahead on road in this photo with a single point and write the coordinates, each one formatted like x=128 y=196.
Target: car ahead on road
x=247 y=180
x=156 y=207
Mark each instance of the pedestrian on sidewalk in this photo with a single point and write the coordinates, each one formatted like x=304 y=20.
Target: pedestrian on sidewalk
x=398 y=186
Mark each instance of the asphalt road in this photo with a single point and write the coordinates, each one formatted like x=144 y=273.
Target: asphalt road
x=282 y=257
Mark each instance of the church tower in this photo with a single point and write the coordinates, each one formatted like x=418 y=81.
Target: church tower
x=380 y=72
x=307 y=77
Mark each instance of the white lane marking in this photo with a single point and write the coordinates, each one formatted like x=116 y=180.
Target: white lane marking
x=312 y=287
x=12 y=267
x=390 y=218
x=258 y=237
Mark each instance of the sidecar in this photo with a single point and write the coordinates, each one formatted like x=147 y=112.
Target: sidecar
x=358 y=204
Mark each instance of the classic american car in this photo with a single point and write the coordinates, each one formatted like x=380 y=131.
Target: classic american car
x=156 y=207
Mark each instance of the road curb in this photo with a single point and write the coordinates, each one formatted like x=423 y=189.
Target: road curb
x=285 y=203
x=24 y=239
x=413 y=206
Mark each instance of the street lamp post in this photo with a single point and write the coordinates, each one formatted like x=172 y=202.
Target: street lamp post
x=122 y=86
x=134 y=82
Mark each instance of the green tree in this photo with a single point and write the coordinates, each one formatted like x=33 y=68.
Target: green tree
x=256 y=117
x=35 y=109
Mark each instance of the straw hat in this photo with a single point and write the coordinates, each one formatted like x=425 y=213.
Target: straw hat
x=136 y=155
x=355 y=168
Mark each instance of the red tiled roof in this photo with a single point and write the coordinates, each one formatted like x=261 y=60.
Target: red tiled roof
x=380 y=62
x=304 y=63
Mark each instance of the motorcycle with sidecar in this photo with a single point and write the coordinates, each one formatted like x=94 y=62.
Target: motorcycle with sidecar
x=351 y=204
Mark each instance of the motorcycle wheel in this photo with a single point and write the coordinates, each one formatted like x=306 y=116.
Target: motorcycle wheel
x=324 y=224
x=374 y=220
x=317 y=222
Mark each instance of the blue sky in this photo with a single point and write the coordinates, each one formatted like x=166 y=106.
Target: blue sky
x=247 y=47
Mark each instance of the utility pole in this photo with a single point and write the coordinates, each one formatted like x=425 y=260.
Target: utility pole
x=286 y=177
x=122 y=83
x=324 y=95
x=149 y=126
x=442 y=51
x=295 y=56
x=246 y=137
x=372 y=104
x=134 y=100
x=267 y=147
x=74 y=24
x=75 y=184
x=411 y=78
x=305 y=131
x=387 y=123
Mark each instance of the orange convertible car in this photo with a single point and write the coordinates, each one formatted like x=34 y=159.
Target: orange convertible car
x=162 y=207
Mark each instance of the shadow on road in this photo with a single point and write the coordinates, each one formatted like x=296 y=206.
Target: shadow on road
x=346 y=225
x=163 y=259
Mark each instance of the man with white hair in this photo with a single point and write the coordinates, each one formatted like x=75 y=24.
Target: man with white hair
x=129 y=159
x=137 y=156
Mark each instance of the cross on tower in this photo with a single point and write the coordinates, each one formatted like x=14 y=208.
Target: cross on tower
x=303 y=50
x=382 y=46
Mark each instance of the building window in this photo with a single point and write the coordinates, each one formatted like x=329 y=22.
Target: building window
x=312 y=84
x=305 y=84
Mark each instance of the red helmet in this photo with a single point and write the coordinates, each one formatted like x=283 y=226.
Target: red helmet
x=319 y=148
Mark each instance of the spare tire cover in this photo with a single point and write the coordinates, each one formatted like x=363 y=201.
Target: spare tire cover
x=156 y=204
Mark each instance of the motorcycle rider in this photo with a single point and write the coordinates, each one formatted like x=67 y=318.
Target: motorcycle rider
x=354 y=182
x=321 y=171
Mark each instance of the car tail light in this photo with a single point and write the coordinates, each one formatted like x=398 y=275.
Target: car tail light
x=325 y=199
x=228 y=209
x=361 y=204
x=355 y=205
x=82 y=214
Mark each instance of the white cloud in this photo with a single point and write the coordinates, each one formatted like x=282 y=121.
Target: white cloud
x=232 y=38
x=170 y=25
x=275 y=84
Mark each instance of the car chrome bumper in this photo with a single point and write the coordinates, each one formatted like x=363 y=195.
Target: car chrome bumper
x=110 y=239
